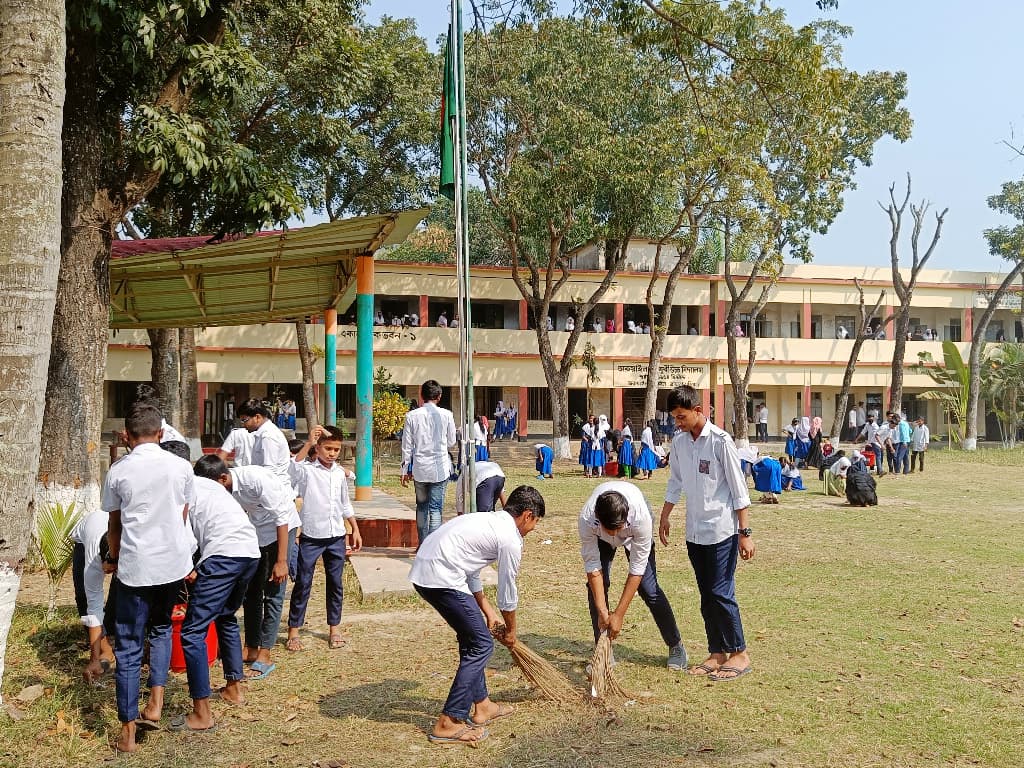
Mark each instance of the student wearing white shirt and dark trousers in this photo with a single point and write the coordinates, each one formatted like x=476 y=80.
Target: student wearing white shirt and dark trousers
x=269 y=445
x=428 y=434
x=89 y=536
x=238 y=447
x=323 y=486
x=270 y=505
x=446 y=573
x=229 y=553
x=147 y=496
x=919 y=443
x=705 y=466
x=616 y=515
x=490 y=485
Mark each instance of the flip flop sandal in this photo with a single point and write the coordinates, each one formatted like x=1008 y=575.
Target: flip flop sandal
x=336 y=641
x=143 y=724
x=262 y=668
x=737 y=673
x=708 y=670
x=294 y=645
x=180 y=725
x=456 y=738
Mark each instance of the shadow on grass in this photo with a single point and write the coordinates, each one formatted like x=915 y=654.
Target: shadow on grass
x=385 y=701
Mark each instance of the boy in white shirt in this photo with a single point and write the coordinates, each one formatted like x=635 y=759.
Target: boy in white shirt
x=428 y=434
x=238 y=444
x=147 y=495
x=229 y=555
x=270 y=505
x=323 y=486
x=89 y=536
x=446 y=573
x=616 y=515
x=919 y=443
x=490 y=485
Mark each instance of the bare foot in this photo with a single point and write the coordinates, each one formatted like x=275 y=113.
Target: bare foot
x=487 y=711
x=232 y=693
x=448 y=728
x=197 y=723
x=126 y=741
x=709 y=666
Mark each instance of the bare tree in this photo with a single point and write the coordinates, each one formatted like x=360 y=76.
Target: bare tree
x=306 y=361
x=32 y=48
x=188 y=379
x=163 y=371
x=861 y=333
x=905 y=288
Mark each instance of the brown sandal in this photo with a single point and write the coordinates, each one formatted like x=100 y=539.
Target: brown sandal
x=336 y=641
x=294 y=644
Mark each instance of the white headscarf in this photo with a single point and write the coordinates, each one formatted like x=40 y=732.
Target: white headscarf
x=803 y=430
x=602 y=426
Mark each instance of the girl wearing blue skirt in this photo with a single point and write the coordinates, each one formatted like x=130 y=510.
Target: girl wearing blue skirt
x=480 y=440
x=647 y=461
x=626 y=458
x=545 y=456
x=597 y=457
x=587 y=432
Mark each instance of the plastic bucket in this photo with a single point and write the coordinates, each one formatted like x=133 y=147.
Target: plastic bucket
x=177 y=655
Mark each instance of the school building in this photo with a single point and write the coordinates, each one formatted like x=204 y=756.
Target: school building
x=804 y=338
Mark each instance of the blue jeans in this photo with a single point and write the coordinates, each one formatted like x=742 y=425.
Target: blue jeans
x=714 y=565
x=650 y=592
x=264 y=600
x=220 y=586
x=429 y=504
x=332 y=550
x=135 y=608
x=475 y=647
x=877 y=450
x=903 y=458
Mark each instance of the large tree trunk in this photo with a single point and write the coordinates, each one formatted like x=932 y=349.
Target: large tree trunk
x=189 y=384
x=556 y=381
x=970 y=442
x=163 y=371
x=306 y=361
x=900 y=331
x=69 y=464
x=31 y=104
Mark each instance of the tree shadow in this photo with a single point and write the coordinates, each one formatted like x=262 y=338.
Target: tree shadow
x=385 y=701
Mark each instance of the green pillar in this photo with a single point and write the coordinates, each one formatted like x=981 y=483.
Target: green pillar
x=364 y=377
x=331 y=367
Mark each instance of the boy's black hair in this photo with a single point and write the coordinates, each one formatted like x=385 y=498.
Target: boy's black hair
x=685 y=397
x=254 y=407
x=430 y=391
x=211 y=467
x=296 y=445
x=179 y=449
x=330 y=434
x=143 y=420
x=524 y=498
x=611 y=510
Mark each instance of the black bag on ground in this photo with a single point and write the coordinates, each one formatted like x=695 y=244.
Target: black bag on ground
x=860 y=489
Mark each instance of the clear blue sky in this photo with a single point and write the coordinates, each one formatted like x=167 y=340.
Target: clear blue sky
x=964 y=96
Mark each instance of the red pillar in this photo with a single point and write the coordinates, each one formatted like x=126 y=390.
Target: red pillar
x=720 y=405
x=523 y=322
x=705 y=401
x=720 y=320
x=968 y=325
x=618 y=314
x=805 y=321
x=807 y=401
x=705 y=320
x=424 y=311
x=617 y=403
x=524 y=411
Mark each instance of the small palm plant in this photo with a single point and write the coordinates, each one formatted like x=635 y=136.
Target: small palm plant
x=52 y=536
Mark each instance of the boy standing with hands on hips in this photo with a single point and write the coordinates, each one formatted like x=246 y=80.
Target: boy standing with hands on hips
x=705 y=466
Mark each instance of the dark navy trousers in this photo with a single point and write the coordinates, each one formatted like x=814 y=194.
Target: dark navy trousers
x=332 y=550
x=714 y=565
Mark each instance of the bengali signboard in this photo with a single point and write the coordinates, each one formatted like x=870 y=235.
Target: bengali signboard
x=634 y=375
x=1011 y=300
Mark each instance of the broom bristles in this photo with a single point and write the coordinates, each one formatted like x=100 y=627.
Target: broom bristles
x=603 y=683
x=541 y=673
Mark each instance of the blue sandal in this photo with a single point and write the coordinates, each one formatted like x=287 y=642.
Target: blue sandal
x=263 y=669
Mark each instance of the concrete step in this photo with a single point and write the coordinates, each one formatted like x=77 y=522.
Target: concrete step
x=384 y=571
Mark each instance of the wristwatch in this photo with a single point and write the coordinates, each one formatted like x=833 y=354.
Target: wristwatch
x=746 y=532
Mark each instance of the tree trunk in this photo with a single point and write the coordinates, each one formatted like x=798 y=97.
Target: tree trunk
x=851 y=363
x=164 y=373
x=900 y=330
x=32 y=97
x=308 y=380
x=69 y=464
x=189 y=384
x=970 y=441
x=653 y=370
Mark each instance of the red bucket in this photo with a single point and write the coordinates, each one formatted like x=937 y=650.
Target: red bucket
x=177 y=655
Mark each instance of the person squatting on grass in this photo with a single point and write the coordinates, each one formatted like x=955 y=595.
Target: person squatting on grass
x=90 y=548
x=323 y=487
x=705 y=466
x=229 y=554
x=147 y=495
x=428 y=434
x=446 y=573
x=270 y=505
x=616 y=515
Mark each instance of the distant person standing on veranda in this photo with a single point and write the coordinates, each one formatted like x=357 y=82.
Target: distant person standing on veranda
x=705 y=466
x=428 y=435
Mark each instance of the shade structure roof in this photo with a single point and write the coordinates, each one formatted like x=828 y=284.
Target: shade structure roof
x=270 y=276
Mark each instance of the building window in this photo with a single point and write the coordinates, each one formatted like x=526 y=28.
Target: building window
x=539 y=399
x=816 y=404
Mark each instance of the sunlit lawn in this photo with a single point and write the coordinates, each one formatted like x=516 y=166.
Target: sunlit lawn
x=887 y=636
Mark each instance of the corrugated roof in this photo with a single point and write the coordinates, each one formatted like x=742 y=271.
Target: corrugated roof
x=181 y=282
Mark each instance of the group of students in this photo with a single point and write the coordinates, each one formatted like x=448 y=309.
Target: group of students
x=904 y=446
x=506 y=419
x=703 y=464
x=215 y=538
x=610 y=452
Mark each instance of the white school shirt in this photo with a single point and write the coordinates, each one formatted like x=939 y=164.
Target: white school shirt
x=708 y=471
x=647 y=438
x=325 y=500
x=429 y=433
x=453 y=556
x=268 y=502
x=151 y=488
x=88 y=531
x=851 y=417
x=220 y=524
x=790 y=471
x=270 y=450
x=479 y=436
x=626 y=433
x=239 y=441
x=762 y=417
x=870 y=432
x=170 y=434
x=883 y=433
x=485 y=470
x=637 y=535
x=919 y=440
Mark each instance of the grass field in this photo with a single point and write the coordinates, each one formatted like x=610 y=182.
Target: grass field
x=888 y=636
